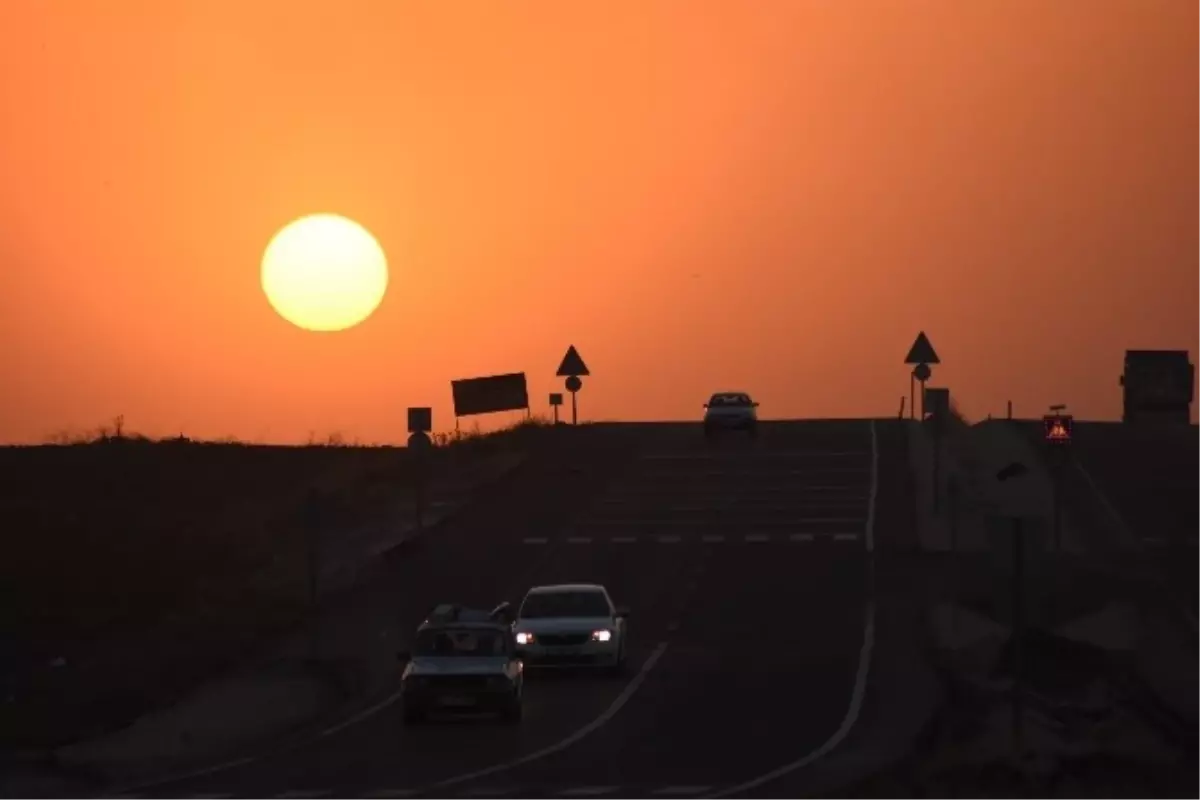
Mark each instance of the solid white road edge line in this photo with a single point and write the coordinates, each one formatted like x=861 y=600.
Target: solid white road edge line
x=135 y=789
x=241 y=762
x=563 y=744
x=864 y=660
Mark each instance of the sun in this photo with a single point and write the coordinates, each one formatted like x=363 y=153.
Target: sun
x=324 y=272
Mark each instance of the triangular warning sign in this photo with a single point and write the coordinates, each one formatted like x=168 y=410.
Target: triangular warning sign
x=922 y=352
x=572 y=364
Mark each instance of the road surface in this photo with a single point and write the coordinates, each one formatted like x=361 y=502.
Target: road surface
x=745 y=565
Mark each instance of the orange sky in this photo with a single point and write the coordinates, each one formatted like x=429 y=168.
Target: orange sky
x=772 y=196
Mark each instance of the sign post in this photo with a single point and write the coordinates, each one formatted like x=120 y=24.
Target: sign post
x=420 y=422
x=571 y=368
x=555 y=402
x=938 y=400
x=312 y=539
x=920 y=356
x=1018 y=634
x=1016 y=470
x=573 y=386
x=1058 y=429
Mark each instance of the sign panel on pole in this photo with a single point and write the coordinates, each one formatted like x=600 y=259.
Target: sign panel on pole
x=922 y=351
x=937 y=403
x=493 y=393
x=420 y=420
x=1058 y=428
x=572 y=364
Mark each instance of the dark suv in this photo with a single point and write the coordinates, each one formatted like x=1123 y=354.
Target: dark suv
x=463 y=660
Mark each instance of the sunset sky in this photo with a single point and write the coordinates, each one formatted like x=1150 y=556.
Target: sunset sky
x=772 y=196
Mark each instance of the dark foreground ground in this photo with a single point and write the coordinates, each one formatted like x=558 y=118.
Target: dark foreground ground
x=130 y=570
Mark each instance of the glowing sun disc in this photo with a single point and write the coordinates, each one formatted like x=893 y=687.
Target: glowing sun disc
x=324 y=272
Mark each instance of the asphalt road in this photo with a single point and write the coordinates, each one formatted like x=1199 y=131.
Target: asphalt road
x=746 y=569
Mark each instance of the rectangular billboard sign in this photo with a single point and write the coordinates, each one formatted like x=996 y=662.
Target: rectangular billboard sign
x=489 y=394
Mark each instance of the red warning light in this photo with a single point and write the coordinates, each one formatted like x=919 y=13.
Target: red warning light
x=1057 y=428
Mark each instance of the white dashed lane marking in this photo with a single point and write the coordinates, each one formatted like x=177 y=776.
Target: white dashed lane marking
x=714 y=538
x=474 y=793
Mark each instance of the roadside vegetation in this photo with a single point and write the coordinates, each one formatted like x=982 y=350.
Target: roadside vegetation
x=132 y=567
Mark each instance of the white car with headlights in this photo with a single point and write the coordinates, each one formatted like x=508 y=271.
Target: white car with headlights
x=573 y=624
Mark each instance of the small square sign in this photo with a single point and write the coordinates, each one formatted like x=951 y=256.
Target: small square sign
x=420 y=420
x=1057 y=428
x=556 y=398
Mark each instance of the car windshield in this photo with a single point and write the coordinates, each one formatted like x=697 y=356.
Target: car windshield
x=469 y=642
x=725 y=400
x=565 y=604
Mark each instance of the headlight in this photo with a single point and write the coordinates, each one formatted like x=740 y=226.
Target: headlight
x=601 y=636
x=524 y=638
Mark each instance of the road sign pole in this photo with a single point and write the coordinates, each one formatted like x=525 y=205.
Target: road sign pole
x=952 y=501
x=922 y=399
x=572 y=368
x=1018 y=633
x=912 y=395
x=312 y=524
x=555 y=408
x=937 y=459
x=1056 y=486
x=418 y=497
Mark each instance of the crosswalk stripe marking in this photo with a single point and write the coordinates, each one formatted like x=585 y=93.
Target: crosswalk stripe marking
x=680 y=791
x=757 y=537
x=624 y=539
x=712 y=539
x=382 y=793
x=589 y=791
x=534 y=540
x=800 y=537
x=845 y=537
x=578 y=539
x=304 y=794
x=668 y=539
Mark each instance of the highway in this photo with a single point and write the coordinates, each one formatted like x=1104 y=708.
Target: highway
x=746 y=568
